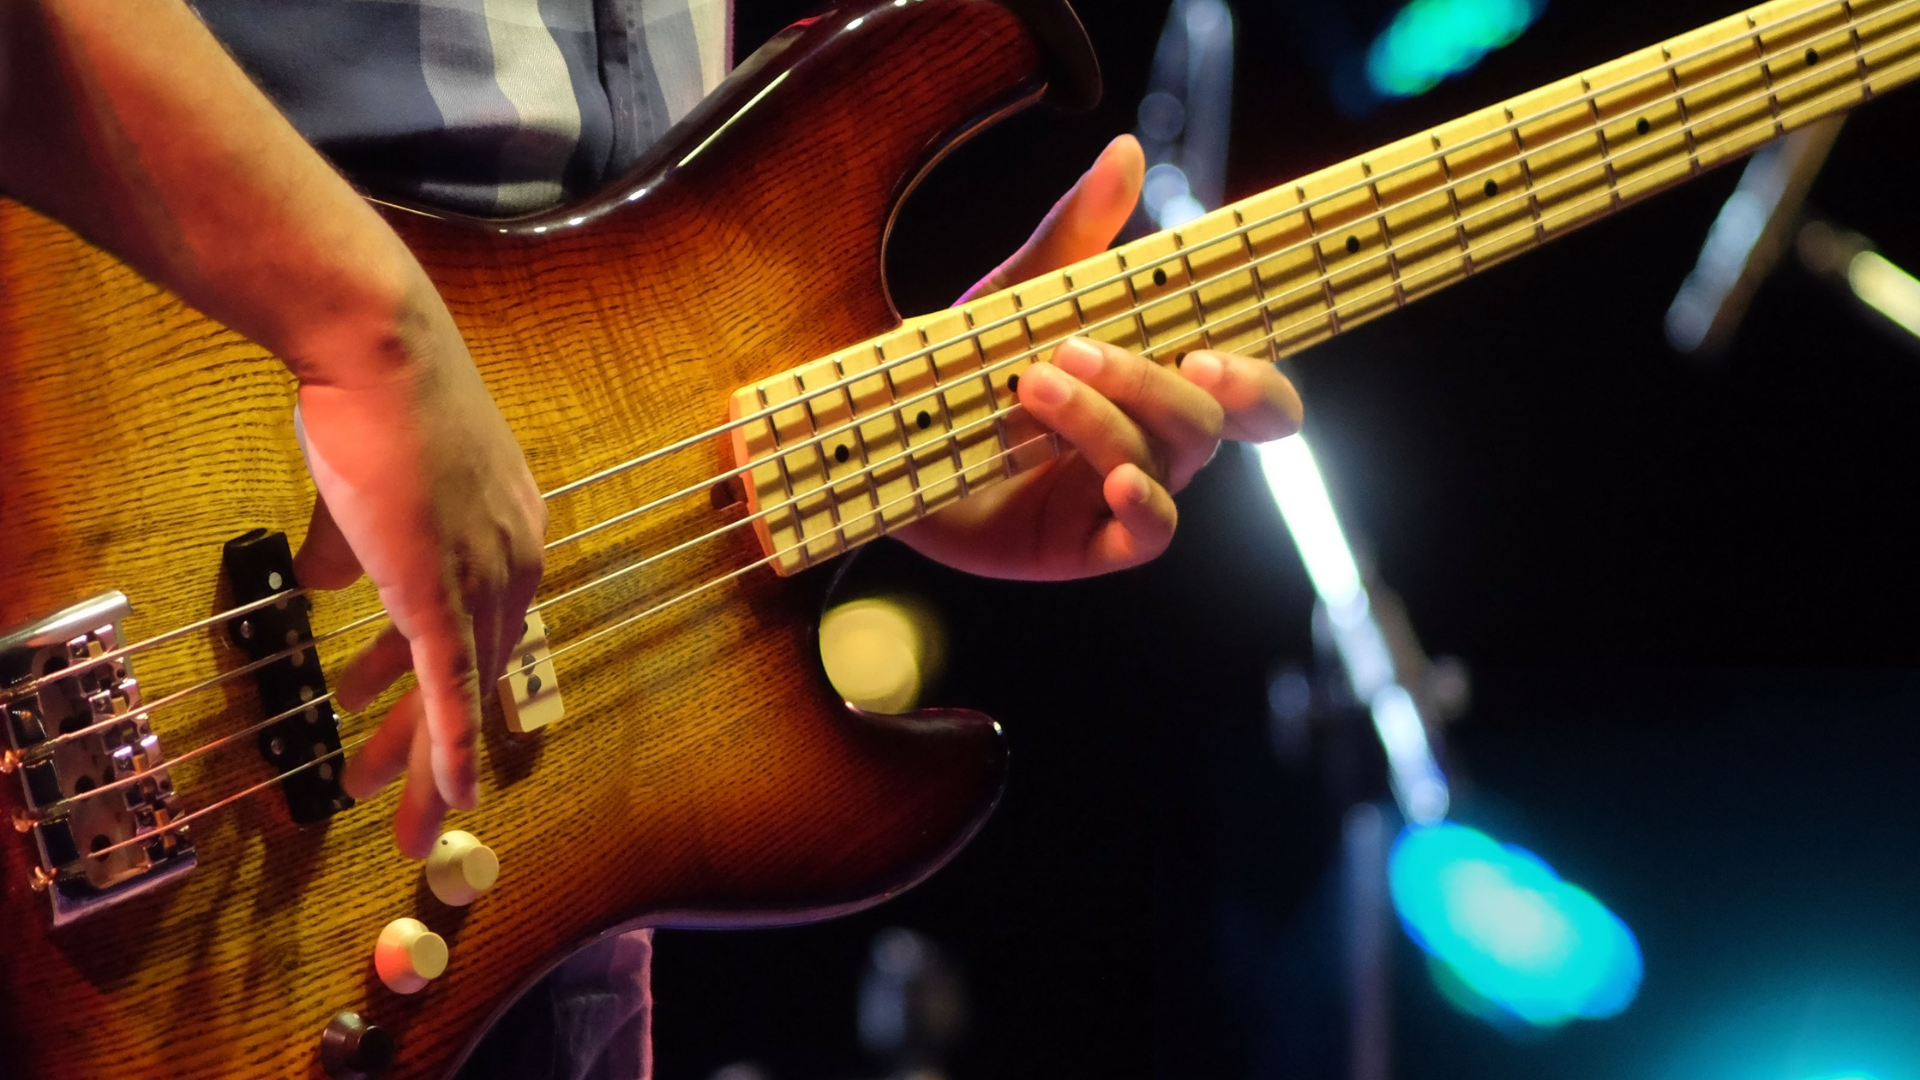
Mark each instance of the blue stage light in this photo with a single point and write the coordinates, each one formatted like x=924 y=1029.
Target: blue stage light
x=1429 y=40
x=1505 y=932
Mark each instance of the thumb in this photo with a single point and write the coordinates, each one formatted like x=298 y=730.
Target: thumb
x=325 y=560
x=1082 y=223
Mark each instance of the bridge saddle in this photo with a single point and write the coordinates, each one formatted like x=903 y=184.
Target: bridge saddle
x=83 y=688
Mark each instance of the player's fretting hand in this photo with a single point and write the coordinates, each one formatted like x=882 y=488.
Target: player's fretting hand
x=1137 y=431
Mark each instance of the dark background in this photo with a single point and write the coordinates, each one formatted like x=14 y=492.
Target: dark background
x=1684 y=593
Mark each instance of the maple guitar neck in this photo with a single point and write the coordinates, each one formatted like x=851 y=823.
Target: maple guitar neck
x=876 y=436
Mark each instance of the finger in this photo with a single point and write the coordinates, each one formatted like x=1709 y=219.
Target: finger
x=447 y=667
x=1181 y=422
x=387 y=658
x=511 y=623
x=489 y=650
x=1143 y=521
x=512 y=629
x=1082 y=223
x=325 y=561
x=1095 y=426
x=1260 y=403
x=416 y=821
x=384 y=755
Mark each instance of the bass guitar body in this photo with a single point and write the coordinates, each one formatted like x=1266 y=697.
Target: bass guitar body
x=700 y=771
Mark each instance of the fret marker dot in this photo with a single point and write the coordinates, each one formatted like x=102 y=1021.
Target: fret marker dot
x=1642 y=126
x=1013 y=384
x=1813 y=57
x=1492 y=188
x=1353 y=245
x=1159 y=277
x=840 y=453
x=923 y=421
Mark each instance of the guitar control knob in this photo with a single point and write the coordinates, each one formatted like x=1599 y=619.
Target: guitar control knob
x=408 y=956
x=460 y=868
x=352 y=1049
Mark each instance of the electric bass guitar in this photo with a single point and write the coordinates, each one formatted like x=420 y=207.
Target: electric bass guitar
x=712 y=387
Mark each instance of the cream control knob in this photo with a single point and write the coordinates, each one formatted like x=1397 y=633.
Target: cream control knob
x=408 y=956
x=460 y=868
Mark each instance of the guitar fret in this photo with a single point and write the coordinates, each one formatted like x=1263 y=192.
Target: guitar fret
x=1008 y=467
x=1199 y=312
x=794 y=525
x=946 y=409
x=1606 y=149
x=1133 y=295
x=825 y=487
x=1386 y=237
x=1766 y=72
x=1686 y=115
x=1271 y=343
x=878 y=518
x=1865 y=77
x=1526 y=176
x=1319 y=263
x=1453 y=205
x=986 y=377
x=907 y=456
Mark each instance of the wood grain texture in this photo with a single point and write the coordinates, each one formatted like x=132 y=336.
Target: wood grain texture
x=703 y=773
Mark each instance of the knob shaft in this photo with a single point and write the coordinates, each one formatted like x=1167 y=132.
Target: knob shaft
x=460 y=868
x=408 y=956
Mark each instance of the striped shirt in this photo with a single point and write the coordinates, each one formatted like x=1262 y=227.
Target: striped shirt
x=491 y=107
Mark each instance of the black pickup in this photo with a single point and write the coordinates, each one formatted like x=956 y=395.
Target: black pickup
x=260 y=564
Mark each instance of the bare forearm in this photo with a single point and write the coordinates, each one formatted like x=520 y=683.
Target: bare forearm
x=126 y=120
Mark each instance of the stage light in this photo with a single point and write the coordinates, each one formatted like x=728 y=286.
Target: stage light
x=1886 y=288
x=1168 y=196
x=1293 y=478
x=1429 y=40
x=1502 y=930
x=881 y=652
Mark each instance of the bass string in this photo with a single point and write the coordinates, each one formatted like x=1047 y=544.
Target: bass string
x=148 y=710
x=181 y=822
x=199 y=751
x=1590 y=96
x=1362 y=299
x=943 y=444
x=1192 y=288
x=1264 y=303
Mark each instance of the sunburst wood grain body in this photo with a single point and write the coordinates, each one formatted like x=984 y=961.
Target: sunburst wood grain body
x=703 y=773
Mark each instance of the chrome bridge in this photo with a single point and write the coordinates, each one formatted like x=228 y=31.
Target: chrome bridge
x=83 y=688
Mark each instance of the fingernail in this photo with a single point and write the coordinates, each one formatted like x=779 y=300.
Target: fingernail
x=1079 y=358
x=1048 y=386
x=1139 y=491
x=1203 y=369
